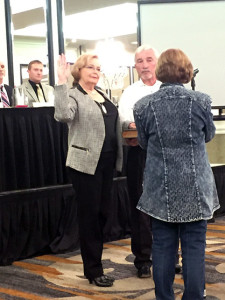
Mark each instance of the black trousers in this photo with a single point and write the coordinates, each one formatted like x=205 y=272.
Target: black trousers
x=141 y=234
x=94 y=200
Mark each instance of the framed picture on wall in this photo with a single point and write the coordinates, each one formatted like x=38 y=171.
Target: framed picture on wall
x=23 y=72
x=125 y=79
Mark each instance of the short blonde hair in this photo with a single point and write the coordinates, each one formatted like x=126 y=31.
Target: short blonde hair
x=174 y=66
x=81 y=62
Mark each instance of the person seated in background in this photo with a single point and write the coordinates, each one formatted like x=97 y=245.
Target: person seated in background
x=6 y=96
x=179 y=190
x=94 y=151
x=33 y=89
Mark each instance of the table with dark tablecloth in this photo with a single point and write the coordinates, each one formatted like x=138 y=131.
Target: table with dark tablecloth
x=37 y=201
x=33 y=149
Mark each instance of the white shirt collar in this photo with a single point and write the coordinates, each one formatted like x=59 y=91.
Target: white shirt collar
x=143 y=84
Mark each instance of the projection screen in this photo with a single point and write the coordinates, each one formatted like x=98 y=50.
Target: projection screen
x=197 y=28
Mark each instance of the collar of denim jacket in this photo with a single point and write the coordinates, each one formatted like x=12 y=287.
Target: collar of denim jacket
x=166 y=84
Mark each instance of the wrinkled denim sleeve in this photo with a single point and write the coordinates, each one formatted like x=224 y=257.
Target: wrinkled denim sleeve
x=138 y=118
x=210 y=128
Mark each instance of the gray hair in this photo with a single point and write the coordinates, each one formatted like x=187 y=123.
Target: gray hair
x=146 y=47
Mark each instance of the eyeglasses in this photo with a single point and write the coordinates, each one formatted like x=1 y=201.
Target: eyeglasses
x=93 y=68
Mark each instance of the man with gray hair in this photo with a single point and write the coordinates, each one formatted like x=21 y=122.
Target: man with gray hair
x=141 y=235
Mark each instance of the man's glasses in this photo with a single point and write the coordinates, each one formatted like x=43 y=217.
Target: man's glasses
x=93 y=68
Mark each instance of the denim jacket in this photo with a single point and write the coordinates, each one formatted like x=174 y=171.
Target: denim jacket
x=173 y=126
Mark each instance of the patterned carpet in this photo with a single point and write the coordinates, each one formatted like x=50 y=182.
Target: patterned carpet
x=61 y=276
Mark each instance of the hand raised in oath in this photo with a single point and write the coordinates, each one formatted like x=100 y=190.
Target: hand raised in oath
x=63 y=69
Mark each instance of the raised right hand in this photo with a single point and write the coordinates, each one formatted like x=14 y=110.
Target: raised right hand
x=63 y=69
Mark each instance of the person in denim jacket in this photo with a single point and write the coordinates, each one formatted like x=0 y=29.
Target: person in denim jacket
x=179 y=191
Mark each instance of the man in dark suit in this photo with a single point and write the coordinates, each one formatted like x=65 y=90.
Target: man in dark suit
x=6 y=95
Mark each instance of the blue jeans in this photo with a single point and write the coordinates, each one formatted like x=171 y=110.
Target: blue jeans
x=165 y=239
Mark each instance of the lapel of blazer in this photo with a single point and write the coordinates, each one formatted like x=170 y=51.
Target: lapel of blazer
x=30 y=91
x=45 y=91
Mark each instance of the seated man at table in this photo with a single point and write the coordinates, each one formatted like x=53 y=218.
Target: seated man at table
x=33 y=89
x=6 y=90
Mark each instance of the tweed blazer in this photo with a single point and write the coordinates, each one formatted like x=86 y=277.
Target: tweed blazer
x=30 y=93
x=86 y=129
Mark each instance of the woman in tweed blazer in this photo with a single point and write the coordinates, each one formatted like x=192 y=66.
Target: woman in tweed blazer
x=179 y=191
x=94 y=150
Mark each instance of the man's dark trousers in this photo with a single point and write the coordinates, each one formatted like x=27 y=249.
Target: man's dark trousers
x=141 y=234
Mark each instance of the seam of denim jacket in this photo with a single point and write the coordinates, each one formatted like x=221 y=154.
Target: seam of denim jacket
x=193 y=157
x=164 y=160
